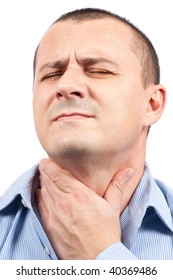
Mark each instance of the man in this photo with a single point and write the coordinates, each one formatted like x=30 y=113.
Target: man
x=96 y=93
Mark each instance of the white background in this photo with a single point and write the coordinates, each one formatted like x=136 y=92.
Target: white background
x=22 y=24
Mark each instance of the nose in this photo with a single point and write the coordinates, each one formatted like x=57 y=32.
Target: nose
x=71 y=84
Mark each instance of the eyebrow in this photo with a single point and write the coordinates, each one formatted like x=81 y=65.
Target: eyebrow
x=87 y=61
x=52 y=65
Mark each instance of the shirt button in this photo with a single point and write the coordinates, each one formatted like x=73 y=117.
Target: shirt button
x=24 y=203
x=47 y=250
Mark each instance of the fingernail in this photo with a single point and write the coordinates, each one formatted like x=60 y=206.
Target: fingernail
x=129 y=174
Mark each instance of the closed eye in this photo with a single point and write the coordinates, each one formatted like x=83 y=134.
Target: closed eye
x=52 y=76
x=99 y=71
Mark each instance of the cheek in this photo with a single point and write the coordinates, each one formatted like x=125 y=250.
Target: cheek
x=123 y=114
x=39 y=112
x=41 y=100
x=37 y=108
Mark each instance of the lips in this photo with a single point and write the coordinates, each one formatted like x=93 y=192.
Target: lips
x=72 y=116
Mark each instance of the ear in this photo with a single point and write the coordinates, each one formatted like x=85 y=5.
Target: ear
x=155 y=104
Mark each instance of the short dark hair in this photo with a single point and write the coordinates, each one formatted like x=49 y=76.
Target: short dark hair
x=141 y=45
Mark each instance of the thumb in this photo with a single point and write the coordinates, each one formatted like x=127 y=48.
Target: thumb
x=117 y=187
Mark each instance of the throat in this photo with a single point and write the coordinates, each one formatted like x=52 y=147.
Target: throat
x=94 y=173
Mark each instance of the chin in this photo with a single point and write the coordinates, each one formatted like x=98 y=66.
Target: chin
x=70 y=151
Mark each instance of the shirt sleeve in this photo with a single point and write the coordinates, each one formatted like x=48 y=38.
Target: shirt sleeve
x=116 y=251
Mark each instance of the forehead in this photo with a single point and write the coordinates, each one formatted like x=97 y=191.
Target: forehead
x=105 y=37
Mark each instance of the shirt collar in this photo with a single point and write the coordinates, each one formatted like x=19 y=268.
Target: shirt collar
x=158 y=200
x=149 y=193
x=23 y=186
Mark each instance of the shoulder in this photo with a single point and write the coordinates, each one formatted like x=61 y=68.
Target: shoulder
x=22 y=184
x=167 y=192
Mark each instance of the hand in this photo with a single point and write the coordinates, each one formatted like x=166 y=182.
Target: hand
x=79 y=223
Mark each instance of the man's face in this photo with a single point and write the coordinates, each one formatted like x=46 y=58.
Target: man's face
x=88 y=92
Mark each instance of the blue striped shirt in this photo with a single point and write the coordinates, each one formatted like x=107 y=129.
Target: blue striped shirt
x=147 y=223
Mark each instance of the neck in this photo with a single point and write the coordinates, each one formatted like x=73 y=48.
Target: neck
x=97 y=173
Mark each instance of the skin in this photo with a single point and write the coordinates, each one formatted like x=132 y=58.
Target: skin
x=74 y=217
x=91 y=115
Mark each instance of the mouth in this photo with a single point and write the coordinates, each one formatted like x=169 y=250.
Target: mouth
x=72 y=116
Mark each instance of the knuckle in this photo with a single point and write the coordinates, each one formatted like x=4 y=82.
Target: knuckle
x=118 y=185
x=64 y=205
x=80 y=196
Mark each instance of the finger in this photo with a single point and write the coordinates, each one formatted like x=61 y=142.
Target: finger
x=117 y=186
x=51 y=200
x=49 y=188
x=64 y=180
x=52 y=174
x=52 y=169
